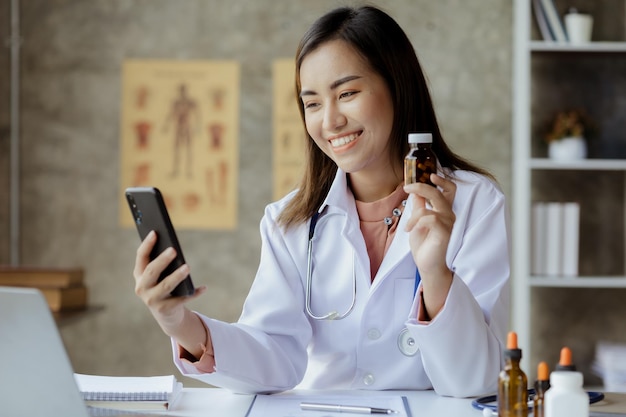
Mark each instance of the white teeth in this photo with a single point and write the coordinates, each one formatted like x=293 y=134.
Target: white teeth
x=343 y=140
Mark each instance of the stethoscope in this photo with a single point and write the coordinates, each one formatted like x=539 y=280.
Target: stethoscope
x=331 y=315
x=486 y=404
x=406 y=344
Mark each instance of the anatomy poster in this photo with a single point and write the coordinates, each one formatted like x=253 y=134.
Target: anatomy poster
x=289 y=136
x=179 y=133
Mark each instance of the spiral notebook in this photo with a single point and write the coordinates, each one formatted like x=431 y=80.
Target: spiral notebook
x=129 y=393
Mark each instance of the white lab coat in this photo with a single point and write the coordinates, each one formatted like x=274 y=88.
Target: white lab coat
x=276 y=346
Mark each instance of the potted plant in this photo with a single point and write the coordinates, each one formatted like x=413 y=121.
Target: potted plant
x=568 y=134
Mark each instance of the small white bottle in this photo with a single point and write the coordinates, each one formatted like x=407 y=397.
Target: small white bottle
x=566 y=396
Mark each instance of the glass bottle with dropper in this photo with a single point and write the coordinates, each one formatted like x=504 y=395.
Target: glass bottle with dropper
x=542 y=384
x=512 y=382
x=421 y=161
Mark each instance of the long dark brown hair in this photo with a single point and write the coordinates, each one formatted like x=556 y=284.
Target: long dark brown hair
x=386 y=48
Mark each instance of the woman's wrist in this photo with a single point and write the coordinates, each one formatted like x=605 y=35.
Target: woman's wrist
x=192 y=335
x=435 y=293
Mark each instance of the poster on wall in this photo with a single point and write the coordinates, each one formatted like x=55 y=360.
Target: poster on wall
x=179 y=133
x=289 y=136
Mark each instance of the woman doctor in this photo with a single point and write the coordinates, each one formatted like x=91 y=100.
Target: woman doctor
x=337 y=301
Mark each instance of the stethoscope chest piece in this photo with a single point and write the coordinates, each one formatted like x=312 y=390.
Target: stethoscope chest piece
x=406 y=343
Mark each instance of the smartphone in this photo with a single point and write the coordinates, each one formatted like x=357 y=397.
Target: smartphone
x=149 y=212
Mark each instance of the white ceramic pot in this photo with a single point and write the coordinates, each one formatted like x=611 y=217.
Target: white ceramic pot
x=579 y=27
x=568 y=149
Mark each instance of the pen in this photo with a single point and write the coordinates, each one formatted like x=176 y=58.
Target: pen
x=345 y=408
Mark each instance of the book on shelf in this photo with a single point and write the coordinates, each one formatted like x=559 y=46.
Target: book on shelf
x=39 y=277
x=65 y=298
x=571 y=238
x=555 y=238
x=538 y=238
x=542 y=22
x=129 y=392
x=554 y=20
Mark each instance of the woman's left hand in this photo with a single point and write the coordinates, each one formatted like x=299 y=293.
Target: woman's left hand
x=429 y=234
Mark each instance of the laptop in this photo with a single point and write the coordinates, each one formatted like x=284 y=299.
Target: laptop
x=36 y=376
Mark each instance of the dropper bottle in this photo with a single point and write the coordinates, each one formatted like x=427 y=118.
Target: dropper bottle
x=541 y=386
x=512 y=382
x=566 y=396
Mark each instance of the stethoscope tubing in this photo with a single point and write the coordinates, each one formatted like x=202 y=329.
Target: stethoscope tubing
x=485 y=402
x=332 y=315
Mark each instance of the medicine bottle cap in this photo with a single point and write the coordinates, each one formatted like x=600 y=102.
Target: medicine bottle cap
x=420 y=138
x=543 y=372
x=565 y=360
x=512 y=351
x=542 y=384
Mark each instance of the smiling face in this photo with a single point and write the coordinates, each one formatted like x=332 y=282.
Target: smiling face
x=348 y=110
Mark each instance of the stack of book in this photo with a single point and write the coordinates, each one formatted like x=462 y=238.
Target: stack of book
x=64 y=289
x=555 y=238
x=610 y=364
x=549 y=21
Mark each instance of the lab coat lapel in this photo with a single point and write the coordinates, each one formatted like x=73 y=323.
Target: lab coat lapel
x=339 y=196
x=341 y=199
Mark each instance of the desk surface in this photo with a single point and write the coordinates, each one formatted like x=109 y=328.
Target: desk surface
x=207 y=402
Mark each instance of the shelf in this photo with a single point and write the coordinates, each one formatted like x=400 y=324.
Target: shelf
x=584 y=164
x=592 y=47
x=67 y=317
x=548 y=76
x=579 y=282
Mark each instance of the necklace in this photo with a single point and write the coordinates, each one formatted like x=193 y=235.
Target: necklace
x=395 y=214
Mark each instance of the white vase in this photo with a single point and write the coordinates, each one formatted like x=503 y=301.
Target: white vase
x=568 y=149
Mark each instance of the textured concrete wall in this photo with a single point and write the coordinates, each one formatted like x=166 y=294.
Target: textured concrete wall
x=5 y=32
x=72 y=55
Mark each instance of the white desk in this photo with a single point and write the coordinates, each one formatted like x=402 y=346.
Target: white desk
x=209 y=402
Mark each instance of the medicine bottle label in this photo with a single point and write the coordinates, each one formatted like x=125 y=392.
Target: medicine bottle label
x=418 y=165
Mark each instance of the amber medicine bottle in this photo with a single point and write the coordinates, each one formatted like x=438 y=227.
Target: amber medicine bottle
x=512 y=382
x=421 y=161
x=541 y=386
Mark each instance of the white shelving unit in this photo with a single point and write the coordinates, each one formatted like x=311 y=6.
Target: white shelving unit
x=526 y=163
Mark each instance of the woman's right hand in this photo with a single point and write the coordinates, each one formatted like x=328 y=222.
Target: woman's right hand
x=169 y=312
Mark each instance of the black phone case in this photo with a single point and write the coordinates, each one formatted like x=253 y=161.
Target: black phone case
x=149 y=213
